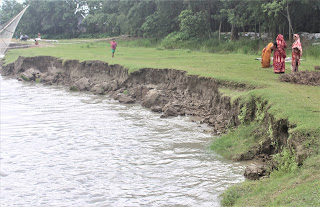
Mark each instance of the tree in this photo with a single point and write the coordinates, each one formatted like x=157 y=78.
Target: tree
x=220 y=16
x=137 y=15
x=165 y=18
x=51 y=17
x=280 y=7
x=158 y=18
x=194 y=25
x=232 y=9
x=9 y=9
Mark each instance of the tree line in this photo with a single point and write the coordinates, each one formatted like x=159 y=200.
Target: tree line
x=183 y=19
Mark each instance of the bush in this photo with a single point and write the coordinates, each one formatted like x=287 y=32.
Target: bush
x=57 y=36
x=140 y=43
x=180 y=40
x=94 y=35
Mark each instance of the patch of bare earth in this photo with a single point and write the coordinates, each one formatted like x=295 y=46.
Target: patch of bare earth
x=303 y=78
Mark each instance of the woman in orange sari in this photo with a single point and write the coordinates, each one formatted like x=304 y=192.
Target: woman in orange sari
x=266 y=55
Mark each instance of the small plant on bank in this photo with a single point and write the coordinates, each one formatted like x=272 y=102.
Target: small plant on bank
x=38 y=80
x=286 y=162
x=25 y=78
x=242 y=114
x=125 y=92
x=260 y=111
x=73 y=88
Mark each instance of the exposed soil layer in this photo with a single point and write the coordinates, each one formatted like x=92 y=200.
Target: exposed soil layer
x=303 y=78
x=166 y=91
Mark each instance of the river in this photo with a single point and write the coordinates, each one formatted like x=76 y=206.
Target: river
x=62 y=148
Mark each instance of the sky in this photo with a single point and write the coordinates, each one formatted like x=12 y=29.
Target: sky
x=20 y=1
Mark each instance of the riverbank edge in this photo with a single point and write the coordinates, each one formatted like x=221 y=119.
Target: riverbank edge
x=172 y=93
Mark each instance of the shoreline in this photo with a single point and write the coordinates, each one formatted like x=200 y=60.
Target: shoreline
x=170 y=93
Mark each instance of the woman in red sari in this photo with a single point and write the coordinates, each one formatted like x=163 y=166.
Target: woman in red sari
x=279 y=55
x=296 y=53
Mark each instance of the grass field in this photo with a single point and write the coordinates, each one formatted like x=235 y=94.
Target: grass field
x=300 y=104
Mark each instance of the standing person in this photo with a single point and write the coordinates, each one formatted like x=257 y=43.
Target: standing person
x=113 y=46
x=296 y=53
x=266 y=55
x=279 y=56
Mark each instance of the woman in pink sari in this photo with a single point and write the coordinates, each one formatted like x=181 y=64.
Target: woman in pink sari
x=296 y=53
x=279 y=55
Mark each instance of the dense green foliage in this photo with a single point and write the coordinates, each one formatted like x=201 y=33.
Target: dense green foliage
x=159 y=18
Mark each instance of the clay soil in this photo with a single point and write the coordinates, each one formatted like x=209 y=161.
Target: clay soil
x=303 y=78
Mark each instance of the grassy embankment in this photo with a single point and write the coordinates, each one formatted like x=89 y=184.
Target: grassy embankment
x=297 y=103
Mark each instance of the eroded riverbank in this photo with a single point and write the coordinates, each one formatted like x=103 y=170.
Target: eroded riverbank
x=171 y=93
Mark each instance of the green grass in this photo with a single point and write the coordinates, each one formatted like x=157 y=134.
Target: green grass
x=226 y=146
x=233 y=93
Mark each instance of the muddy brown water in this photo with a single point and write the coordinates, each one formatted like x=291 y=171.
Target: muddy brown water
x=62 y=148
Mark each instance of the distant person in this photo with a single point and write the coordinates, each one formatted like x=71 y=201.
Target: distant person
x=296 y=53
x=279 y=56
x=113 y=47
x=266 y=56
x=36 y=42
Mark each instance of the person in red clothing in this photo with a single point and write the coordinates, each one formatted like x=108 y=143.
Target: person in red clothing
x=113 y=47
x=279 y=56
